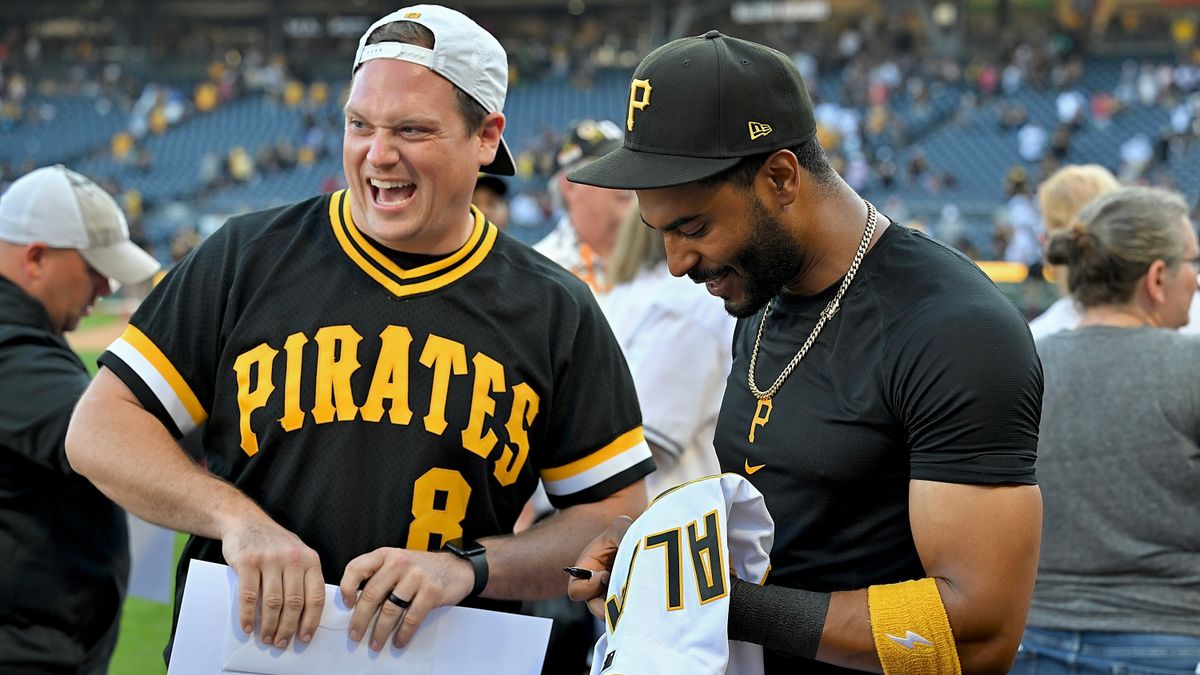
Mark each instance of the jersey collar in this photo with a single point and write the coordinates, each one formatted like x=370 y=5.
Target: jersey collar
x=403 y=282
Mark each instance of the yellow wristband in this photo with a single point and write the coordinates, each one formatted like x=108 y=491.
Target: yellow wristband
x=911 y=630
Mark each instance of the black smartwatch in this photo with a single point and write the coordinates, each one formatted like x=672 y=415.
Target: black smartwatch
x=474 y=553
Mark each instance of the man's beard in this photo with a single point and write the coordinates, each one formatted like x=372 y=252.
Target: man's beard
x=768 y=261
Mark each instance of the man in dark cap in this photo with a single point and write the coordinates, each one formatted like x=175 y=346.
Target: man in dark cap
x=491 y=197
x=899 y=466
x=584 y=237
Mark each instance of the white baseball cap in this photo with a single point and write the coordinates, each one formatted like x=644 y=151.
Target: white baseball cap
x=64 y=209
x=463 y=52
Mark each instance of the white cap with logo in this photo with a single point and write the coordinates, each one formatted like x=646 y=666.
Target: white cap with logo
x=65 y=209
x=463 y=52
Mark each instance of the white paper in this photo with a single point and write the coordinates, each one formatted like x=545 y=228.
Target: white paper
x=451 y=639
x=151 y=549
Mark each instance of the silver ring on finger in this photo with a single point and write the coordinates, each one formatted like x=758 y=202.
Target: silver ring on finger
x=399 y=601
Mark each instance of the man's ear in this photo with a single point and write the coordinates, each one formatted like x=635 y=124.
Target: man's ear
x=33 y=260
x=783 y=175
x=565 y=187
x=489 y=137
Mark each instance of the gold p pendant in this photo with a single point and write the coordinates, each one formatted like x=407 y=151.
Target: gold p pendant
x=762 y=414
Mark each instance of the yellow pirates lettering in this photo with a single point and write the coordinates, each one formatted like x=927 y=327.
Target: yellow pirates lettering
x=639 y=99
x=444 y=357
x=329 y=392
x=524 y=410
x=293 y=415
x=250 y=398
x=489 y=379
x=762 y=414
x=337 y=359
x=390 y=380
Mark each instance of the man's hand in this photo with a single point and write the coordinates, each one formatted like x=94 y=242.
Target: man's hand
x=274 y=566
x=419 y=579
x=598 y=557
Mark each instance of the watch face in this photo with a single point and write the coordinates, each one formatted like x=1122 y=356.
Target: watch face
x=465 y=547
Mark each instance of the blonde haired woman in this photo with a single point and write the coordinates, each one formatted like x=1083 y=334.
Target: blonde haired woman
x=677 y=340
x=1060 y=198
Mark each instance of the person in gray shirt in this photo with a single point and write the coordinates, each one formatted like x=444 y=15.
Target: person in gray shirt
x=1118 y=587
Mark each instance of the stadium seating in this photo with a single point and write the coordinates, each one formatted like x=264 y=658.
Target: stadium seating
x=971 y=147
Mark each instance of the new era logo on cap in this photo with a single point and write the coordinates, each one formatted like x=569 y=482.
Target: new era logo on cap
x=758 y=129
x=698 y=105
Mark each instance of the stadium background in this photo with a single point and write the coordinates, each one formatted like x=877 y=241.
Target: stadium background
x=945 y=114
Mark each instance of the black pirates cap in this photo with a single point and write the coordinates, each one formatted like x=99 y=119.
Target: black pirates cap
x=697 y=105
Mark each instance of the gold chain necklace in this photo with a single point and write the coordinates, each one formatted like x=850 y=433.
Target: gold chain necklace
x=826 y=315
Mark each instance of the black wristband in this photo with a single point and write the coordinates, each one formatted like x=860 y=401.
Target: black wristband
x=785 y=620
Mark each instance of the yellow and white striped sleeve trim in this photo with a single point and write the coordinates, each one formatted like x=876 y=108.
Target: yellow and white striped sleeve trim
x=626 y=451
x=158 y=373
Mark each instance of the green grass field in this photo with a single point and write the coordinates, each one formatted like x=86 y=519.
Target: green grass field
x=145 y=625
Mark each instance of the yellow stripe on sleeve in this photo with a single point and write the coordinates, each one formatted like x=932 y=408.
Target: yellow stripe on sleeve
x=624 y=442
x=138 y=340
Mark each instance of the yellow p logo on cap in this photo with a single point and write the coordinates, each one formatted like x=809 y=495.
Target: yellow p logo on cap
x=639 y=98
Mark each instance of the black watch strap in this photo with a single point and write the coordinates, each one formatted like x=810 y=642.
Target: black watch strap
x=476 y=554
x=479 y=562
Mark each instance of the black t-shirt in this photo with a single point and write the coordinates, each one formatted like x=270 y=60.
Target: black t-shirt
x=364 y=404
x=927 y=372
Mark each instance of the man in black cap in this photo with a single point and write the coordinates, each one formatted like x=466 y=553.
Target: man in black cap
x=491 y=197
x=584 y=237
x=899 y=467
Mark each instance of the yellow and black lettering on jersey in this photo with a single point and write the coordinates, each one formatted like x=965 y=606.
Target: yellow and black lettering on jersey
x=366 y=404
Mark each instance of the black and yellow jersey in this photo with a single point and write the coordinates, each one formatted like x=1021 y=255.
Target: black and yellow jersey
x=366 y=404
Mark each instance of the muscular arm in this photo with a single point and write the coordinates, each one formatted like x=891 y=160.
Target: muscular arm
x=131 y=457
x=980 y=543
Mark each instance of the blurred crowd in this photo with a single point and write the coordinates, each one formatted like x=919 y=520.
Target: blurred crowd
x=878 y=84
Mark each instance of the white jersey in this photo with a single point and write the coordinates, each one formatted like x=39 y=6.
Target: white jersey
x=677 y=340
x=668 y=605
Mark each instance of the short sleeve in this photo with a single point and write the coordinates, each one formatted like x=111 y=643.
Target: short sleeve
x=596 y=442
x=968 y=387
x=168 y=354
